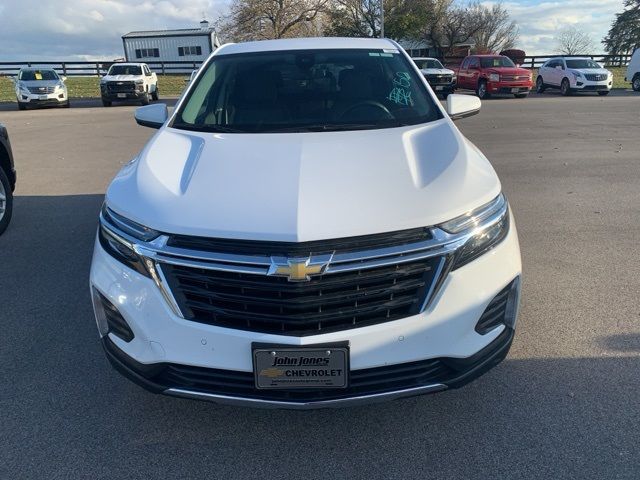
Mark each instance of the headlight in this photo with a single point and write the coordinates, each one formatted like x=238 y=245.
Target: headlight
x=60 y=86
x=494 y=77
x=22 y=88
x=139 y=82
x=576 y=75
x=117 y=236
x=486 y=226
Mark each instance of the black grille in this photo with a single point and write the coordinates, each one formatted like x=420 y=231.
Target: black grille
x=327 y=303
x=439 y=79
x=41 y=90
x=362 y=382
x=494 y=314
x=121 y=87
x=117 y=325
x=595 y=77
x=300 y=249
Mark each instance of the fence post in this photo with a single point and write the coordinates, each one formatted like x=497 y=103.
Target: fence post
x=64 y=69
x=162 y=64
x=533 y=59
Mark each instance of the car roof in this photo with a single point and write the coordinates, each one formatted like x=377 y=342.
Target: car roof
x=129 y=64
x=306 y=44
x=36 y=69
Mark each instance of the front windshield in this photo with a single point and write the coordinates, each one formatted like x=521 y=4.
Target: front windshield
x=31 y=75
x=582 y=63
x=306 y=91
x=496 y=62
x=431 y=63
x=125 y=70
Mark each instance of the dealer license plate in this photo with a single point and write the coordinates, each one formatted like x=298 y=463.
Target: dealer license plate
x=281 y=367
x=439 y=88
x=42 y=97
x=122 y=95
x=515 y=90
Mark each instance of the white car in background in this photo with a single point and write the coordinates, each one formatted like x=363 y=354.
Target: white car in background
x=633 y=71
x=574 y=75
x=307 y=229
x=129 y=81
x=40 y=87
x=442 y=80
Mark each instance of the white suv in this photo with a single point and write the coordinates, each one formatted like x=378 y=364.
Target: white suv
x=308 y=229
x=572 y=75
x=633 y=71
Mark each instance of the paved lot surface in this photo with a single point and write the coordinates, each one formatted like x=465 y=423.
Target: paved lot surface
x=565 y=403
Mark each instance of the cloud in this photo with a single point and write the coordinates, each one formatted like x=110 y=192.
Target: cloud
x=540 y=22
x=80 y=29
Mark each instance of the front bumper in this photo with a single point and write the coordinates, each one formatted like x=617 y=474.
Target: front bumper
x=583 y=85
x=49 y=99
x=505 y=88
x=444 y=333
x=129 y=94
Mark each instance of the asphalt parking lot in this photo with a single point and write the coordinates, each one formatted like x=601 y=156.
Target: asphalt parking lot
x=564 y=404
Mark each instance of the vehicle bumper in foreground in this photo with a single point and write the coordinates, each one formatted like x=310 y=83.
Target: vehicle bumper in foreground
x=437 y=349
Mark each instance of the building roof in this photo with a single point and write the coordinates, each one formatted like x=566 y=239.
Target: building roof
x=171 y=33
x=308 y=43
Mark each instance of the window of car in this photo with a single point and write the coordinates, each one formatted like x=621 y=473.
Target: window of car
x=465 y=63
x=125 y=70
x=31 y=75
x=496 y=62
x=429 y=63
x=474 y=62
x=317 y=90
x=582 y=63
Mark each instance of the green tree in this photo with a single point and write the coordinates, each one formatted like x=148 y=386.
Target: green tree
x=624 y=35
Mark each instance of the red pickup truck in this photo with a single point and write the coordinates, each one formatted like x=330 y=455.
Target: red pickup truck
x=494 y=74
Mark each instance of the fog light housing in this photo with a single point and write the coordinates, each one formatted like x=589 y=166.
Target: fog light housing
x=109 y=318
x=502 y=310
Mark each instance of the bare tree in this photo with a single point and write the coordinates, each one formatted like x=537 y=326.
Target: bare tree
x=269 y=19
x=571 y=41
x=354 y=18
x=496 y=31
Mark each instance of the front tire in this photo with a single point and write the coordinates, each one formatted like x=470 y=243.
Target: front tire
x=106 y=103
x=155 y=95
x=21 y=106
x=603 y=93
x=635 y=83
x=565 y=87
x=482 y=91
x=67 y=105
x=6 y=201
x=145 y=99
x=520 y=95
x=540 y=88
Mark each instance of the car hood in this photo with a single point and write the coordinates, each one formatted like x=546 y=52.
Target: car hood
x=40 y=83
x=303 y=186
x=121 y=78
x=600 y=71
x=437 y=71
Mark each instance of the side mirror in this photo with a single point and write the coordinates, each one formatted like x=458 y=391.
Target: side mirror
x=462 y=106
x=152 y=116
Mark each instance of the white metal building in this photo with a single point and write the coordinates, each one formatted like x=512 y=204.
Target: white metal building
x=190 y=44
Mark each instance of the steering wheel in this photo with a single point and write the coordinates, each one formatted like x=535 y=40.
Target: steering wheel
x=371 y=104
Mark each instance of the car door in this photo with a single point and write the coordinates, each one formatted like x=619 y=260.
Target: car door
x=558 y=72
x=462 y=73
x=474 y=73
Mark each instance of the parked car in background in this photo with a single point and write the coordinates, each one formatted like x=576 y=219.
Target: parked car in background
x=307 y=229
x=494 y=74
x=38 y=87
x=129 y=81
x=633 y=71
x=7 y=179
x=572 y=75
x=442 y=80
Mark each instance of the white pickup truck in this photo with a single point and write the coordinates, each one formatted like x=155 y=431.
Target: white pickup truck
x=129 y=81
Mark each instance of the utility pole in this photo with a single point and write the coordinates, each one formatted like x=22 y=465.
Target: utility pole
x=381 y=18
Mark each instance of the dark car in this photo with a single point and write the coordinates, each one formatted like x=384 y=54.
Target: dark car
x=7 y=179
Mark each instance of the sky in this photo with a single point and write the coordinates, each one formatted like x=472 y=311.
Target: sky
x=92 y=29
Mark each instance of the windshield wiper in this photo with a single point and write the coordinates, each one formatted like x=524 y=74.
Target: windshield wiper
x=206 y=128
x=334 y=127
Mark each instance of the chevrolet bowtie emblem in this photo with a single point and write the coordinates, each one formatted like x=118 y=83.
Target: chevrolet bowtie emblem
x=299 y=269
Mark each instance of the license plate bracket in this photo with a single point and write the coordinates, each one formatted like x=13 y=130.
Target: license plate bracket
x=122 y=95
x=43 y=97
x=301 y=367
